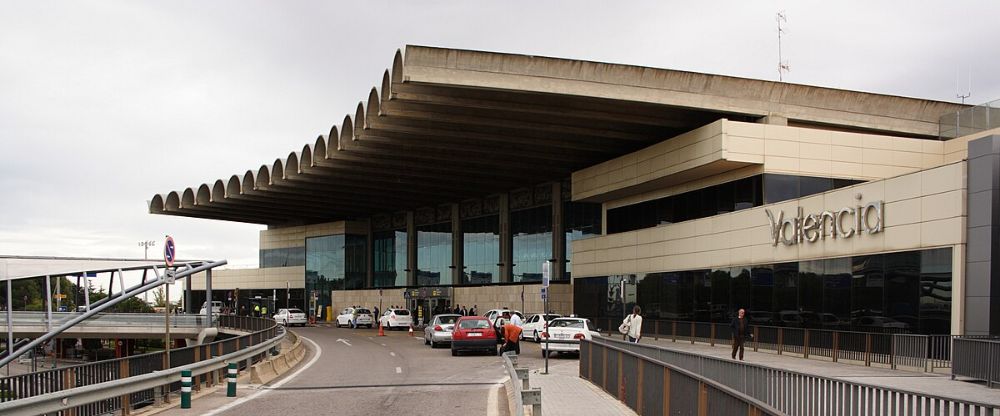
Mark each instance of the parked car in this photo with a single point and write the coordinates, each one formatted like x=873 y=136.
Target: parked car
x=216 y=308
x=439 y=330
x=396 y=318
x=473 y=333
x=564 y=335
x=493 y=314
x=290 y=317
x=534 y=325
x=358 y=316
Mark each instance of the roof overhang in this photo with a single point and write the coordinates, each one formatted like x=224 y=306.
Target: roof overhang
x=447 y=125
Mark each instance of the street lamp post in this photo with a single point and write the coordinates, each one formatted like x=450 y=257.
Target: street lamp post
x=146 y=245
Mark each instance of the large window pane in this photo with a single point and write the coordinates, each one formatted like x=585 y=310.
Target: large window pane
x=837 y=294
x=390 y=258
x=935 y=291
x=868 y=282
x=324 y=266
x=702 y=295
x=434 y=254
x=902 y=290
x=811 y=185
x=721 y=283
x=779 y=188
x=282 y=257
x=761 y=292
x=481 y=245
x=786 y=294
x=740 y=289
x=580 y=220
x=531 y=231
x=748 y=193
x=355 y=261
x=811 y=292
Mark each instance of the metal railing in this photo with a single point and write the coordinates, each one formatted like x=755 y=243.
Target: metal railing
x=649 y=385
x=978 y=359
x=796 y=393
x=970 y=120
x=131 y=320
x=894 y=350
x=521 y=392
x=24 y=386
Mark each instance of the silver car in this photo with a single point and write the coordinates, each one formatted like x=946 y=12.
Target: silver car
x=439 y=330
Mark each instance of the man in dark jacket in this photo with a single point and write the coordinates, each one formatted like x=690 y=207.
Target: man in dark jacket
x=741 y=330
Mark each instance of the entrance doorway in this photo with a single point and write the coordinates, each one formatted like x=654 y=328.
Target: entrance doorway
x=425 y=302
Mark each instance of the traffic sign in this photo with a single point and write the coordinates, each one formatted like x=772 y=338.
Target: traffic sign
x=169 y=251
x=546 y=273
x=545 y=293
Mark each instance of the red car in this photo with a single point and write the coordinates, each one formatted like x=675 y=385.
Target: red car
x=473 y=333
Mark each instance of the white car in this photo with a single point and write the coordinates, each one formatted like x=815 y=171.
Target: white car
x=290 y=317
x=355 y=317
x=396 y=318
x=564 y=334
x=534 y=325
x=216 y=308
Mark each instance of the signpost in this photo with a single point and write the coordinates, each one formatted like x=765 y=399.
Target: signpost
x=546 y=272
x=169 y=255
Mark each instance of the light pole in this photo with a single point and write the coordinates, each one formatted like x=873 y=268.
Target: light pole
x=146 y=245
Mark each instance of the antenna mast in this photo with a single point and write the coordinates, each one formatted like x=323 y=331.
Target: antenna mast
x=782 y=64
x=968 y=92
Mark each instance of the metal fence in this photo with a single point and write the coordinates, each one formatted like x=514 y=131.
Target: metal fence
x=796 y=393
x=653 y=387
x=891 y=349
x=48 y=381
x=977 y=358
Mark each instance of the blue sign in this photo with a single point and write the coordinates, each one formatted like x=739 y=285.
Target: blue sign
x=169 y=251
x=545 y=293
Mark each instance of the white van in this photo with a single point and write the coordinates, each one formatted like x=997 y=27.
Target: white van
x=216 y=308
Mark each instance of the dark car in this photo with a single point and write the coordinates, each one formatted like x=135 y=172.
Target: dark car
x=473 y=333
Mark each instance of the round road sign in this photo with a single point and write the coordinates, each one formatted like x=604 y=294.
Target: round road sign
x=169 y=251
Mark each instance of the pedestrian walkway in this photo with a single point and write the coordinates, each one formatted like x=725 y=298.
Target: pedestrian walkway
x=565 y=393
x=918 y=382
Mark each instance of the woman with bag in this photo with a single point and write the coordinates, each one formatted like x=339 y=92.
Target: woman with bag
x=631 y=327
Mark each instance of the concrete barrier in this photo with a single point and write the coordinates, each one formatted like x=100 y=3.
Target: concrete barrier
x=266 y=371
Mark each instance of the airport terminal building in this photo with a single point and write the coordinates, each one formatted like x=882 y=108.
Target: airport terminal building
x=689 y=194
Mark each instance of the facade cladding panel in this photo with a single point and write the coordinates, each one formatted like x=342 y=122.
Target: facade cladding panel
x=905 y=291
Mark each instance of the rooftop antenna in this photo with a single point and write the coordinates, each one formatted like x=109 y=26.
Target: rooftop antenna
x=782 y=64
x=968 y=91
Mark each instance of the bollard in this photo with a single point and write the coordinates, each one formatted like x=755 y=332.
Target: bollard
x=185 y=389
x=231 y=376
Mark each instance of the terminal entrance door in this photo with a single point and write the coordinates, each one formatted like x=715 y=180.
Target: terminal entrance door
x=425 y=302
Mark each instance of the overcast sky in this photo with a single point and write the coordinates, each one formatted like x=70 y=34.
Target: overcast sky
x=105 y=103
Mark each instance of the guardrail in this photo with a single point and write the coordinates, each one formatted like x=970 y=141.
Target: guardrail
x=16 y=390
x=798 y=393
x=650 y=385
x=977 y=358
x=892 y=349
x=22 y=318
x=521 y=392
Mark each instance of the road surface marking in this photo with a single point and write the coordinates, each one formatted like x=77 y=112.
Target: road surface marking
x=319 y=352
x=491 y=402
x=399 y=370
x=344 y=341
x=392 y=354
x=383 y=345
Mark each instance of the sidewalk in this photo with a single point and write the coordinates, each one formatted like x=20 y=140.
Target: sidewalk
x=565 y=393
x=920 y=382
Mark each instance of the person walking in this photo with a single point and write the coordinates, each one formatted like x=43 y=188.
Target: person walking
x=263 y=311
x=256 y=310
x=631 y=326
x=740 y=327
x=464 y=311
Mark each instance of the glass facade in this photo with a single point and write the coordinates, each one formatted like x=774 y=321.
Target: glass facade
x=531 y=232
x=580 y=220
x=719 y=199
x=434 y=254
x=481 y=249
x=335 y=262
x=283 y=257
x=390 y=258
x=899 y=292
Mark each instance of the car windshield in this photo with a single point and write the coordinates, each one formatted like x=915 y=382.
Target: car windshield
x=474 y=324
x=294 y=311
x=552 y=316
x=566 y=323
x=401 y=312
x=365 y=311
x=447 y=319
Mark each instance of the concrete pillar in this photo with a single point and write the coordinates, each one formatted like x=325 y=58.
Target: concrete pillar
x=558 y=234
x=188 y=307
x=208 y=295
x=506 y=242
x=982 y=264
x=457 y=246
x=411 y=250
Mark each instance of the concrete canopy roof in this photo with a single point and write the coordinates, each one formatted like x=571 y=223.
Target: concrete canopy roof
x=448 y=125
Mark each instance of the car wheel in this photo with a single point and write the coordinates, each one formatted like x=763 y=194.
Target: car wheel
x=536 y=337
x=454 y=352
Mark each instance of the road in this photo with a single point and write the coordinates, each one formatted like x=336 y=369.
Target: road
x=359 y=373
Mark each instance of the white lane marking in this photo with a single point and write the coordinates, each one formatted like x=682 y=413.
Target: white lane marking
x=399 y=370
x=392 y=354
x=382 y=345
x=344 y=341
x=491 y=402
x=319 y=352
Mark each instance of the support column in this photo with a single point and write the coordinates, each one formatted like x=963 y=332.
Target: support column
x=208 y=295
x=506 y=243
x=188 y=307
x=411 y=250
x=982 y=264
x=558 y=234
x=457 y=247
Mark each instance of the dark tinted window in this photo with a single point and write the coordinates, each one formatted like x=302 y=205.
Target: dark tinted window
x=779 y=188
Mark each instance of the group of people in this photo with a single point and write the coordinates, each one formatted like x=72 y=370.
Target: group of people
x=631 y=329
x=457 y=310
